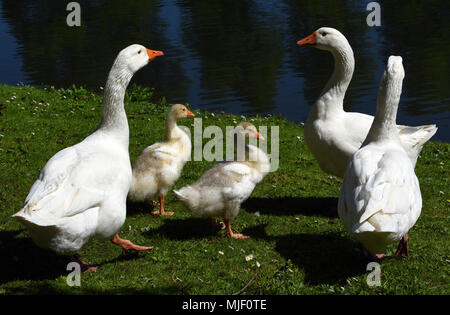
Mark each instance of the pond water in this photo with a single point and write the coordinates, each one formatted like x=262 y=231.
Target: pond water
x=236 y=56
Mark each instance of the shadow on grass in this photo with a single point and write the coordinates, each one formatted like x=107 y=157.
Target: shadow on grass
x=325 y=258
x=323 y=207
x=23 y=260
x=130 y=255
x=45 y=288
x=184 y=229
x=139 y=208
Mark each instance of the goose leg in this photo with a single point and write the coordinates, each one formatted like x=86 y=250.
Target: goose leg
x=402 y=248
x=161 y=208
x=380 y=256
x=374 y=256
x=84 y=266
x=213 y=223
x=128 y=245
x=151 y=203
x=230 y=232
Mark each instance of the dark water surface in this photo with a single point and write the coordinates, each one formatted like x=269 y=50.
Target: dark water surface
x=234 y=55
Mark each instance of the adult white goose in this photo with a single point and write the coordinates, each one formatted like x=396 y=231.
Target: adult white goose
x=160 y=165
x=223 y=188
x=81 y=192
x=333 y=134
x=380 y=197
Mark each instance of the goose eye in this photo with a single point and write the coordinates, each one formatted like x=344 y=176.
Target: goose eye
x=139 y=51
x=324 y=34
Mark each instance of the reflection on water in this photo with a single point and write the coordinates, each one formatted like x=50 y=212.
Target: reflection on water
x=238 y=56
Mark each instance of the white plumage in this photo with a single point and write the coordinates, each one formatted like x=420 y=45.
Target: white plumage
x=334 y=135
x=222 y=189
x=380 y=197
x=77 y=196
x=81 y=192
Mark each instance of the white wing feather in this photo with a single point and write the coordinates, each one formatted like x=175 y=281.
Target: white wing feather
x=379 y=183
x=71 y=182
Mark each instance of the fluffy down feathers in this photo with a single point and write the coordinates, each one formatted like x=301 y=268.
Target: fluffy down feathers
x=159 y=167
x=222 y=189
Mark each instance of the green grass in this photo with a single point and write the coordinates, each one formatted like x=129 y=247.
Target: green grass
x=297 y=238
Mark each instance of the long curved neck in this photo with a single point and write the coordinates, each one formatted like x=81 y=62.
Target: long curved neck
x=384 y=125
x=241 y=148
x=251 y=155
x=172 y=130
x=114 y=118
x=332 y=97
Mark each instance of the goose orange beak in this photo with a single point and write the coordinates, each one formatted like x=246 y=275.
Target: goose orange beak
x=152 y=54
x=311 y=40
x=190 y=114
x=259 y=136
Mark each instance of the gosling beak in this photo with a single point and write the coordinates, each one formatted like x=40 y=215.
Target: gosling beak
x=311 y=40
x=152 y=54
x=190 y=114
x=259 y=136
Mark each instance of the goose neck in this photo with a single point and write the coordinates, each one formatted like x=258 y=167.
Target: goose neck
x=172 y=129
x=384 y=125
x=114 y=119
x=332 y=96
x=241 y=148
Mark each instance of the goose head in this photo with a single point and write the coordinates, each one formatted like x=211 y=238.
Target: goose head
x=391 y=83
x=395 y=68
x=325 y=38
x=250 y=153
x=179 y=111
x=247 y=130
x=135 y=56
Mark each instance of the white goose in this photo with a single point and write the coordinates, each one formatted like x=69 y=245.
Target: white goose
x=333 y=134
x=380 y=197
x=160 y=165
x=81 y=192
x=223 y=188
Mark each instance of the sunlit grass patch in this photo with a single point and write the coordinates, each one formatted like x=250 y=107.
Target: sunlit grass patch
x=297 y=243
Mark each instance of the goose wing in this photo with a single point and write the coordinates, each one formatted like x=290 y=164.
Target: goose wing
x=382 y=183
x=72 y=181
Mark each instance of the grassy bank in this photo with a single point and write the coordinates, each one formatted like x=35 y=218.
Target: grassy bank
x=296 y=236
